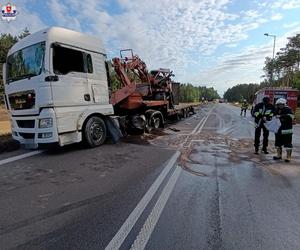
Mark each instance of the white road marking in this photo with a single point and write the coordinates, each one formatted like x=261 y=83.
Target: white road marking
x=125 y=229
x=198 y=125
x=20 y=157
x=197 y=128
x=202 y=125
x=204 y=118
x=148 y=227
x=127 y=226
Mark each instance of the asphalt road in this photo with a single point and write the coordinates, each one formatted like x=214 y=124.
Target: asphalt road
x=195 y=185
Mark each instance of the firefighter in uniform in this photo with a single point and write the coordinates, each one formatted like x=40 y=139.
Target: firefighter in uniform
x=284 y=135
x=244 y=107
x=262 y=112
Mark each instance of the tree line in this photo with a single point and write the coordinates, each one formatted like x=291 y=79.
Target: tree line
x=191 y=93
x=282 y=71
x=241 y=92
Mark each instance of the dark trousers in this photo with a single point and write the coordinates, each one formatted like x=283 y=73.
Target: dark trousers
x=283 y=140
x=265 y=136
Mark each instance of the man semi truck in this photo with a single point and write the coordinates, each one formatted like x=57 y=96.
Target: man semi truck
x=57 y=90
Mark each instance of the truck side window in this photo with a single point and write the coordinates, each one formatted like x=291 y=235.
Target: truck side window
x=67 y=60
x=89 y=63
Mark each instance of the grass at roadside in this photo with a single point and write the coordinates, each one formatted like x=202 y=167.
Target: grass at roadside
x=7 y=144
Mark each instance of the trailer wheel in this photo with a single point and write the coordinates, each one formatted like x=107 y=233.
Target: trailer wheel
x=154 y=120
x=94 y=132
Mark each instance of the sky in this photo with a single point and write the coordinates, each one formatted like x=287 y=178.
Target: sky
x=214 y=43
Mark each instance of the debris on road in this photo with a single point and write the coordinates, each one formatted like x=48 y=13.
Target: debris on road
x=174 y=129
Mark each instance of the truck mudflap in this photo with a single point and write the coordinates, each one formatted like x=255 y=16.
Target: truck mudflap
x=113 y=129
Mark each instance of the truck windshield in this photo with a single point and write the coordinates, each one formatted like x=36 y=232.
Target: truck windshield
x=26 y=63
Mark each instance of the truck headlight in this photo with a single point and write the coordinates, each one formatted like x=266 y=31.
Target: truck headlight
x=45 y=123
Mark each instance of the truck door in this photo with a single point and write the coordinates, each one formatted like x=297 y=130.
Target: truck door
x=97 y=78
x=70 y=90
x=69 y=84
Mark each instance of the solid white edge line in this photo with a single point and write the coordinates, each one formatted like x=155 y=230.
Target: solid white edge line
x=20 y=157
x=127 y=226
x=148 y=227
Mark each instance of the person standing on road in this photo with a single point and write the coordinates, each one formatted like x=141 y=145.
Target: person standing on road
x=262 y=112
x=285 y=133
x=244 y=107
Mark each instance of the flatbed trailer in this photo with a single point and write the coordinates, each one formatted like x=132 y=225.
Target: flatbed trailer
x=182 y=109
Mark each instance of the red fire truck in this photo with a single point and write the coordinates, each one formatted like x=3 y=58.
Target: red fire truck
x=274 y=93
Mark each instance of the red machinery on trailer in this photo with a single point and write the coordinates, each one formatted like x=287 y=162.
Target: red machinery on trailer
x=146 y=98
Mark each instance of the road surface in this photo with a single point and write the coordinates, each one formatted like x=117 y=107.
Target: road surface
x=195 y=185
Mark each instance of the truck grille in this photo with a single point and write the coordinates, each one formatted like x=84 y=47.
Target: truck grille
x=25 y=123
x=27 y=135
x=22 y=100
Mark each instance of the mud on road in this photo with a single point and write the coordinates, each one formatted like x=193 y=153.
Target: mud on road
x=216 y=145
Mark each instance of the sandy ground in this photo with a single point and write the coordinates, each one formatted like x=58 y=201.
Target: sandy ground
x=4 y=122
x=5 y=127
x=6 y=142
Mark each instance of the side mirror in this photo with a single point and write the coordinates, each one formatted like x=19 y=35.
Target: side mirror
x=4 y=73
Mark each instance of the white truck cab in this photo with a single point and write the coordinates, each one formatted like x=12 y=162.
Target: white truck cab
x=56 y=88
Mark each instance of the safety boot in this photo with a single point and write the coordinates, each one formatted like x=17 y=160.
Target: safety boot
x=288 y=155
x=279 y=154
x=265 y=151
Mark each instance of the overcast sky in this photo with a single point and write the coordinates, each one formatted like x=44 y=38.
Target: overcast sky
x=216 y=43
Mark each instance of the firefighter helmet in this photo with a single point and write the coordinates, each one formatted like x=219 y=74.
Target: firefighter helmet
x=281 y=101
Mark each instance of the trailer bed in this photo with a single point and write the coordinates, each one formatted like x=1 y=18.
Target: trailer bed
x=181 y=107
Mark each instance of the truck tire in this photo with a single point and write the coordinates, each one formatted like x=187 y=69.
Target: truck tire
x=186 y=113
x=94 y=132
x=154 y=121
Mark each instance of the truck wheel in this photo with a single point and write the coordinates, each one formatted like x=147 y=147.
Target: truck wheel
x=154 y=122
x=186 y=113
x=94 y=132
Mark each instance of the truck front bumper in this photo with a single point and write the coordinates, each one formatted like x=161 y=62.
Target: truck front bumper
x=26 y=130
